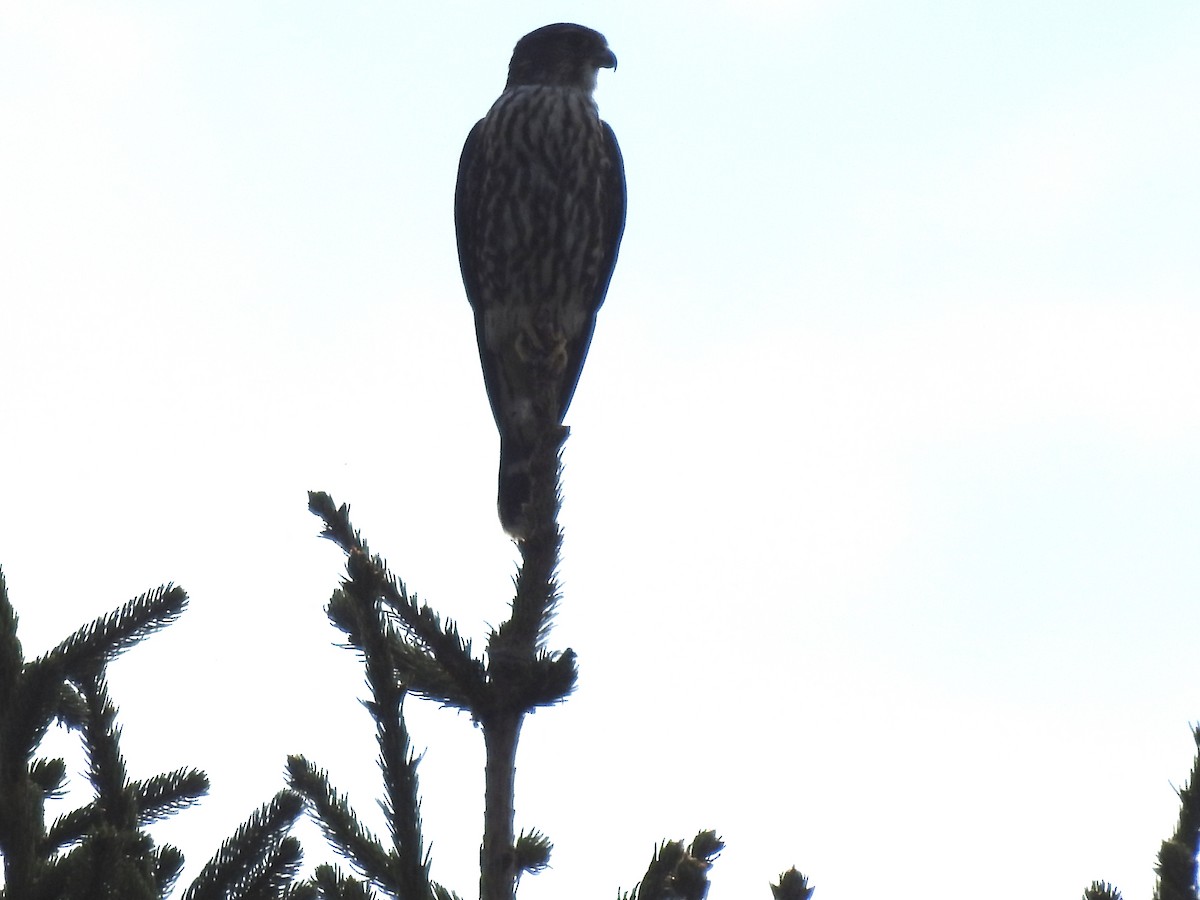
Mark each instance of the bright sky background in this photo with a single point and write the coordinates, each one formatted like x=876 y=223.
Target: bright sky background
x=883 y=496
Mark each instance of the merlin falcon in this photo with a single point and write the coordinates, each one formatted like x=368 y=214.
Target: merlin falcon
x=539 y=211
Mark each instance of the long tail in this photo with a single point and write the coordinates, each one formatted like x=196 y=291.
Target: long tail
x=515 y=488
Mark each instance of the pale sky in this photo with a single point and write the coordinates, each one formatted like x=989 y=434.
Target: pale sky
x=883 y=493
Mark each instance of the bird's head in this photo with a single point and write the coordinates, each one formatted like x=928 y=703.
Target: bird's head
x=561 y=55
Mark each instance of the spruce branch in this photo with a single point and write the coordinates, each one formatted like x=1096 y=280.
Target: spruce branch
x=794 y=886
x=12 y=666
x=164 y=795
x=406 y=648
x=677 y=872
x=402 y=809
x=333 y=884
x=70 y=709
x=338 y=821
x=300 y=890
x=1176 y=867
x=168 y=865
x=102 y=640
x=155 y=798
x=29 y=699
x=258 y=860
x=111 y=862
x=369 y=625
x=427 y=678
x=409 y=871
x=33 y=700
x=106 y=766
x=532 y=850
x=369 y=580
x=50 y=776
x=415 y=667
x=12 y=657
x=112 y=856
x=655 y=884
x=274 y=874
x=25 y=706
x=551 y=678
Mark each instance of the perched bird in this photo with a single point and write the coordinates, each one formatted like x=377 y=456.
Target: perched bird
x=539 y=211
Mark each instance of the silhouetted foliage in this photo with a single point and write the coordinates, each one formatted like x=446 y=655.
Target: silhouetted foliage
x=100 y=849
